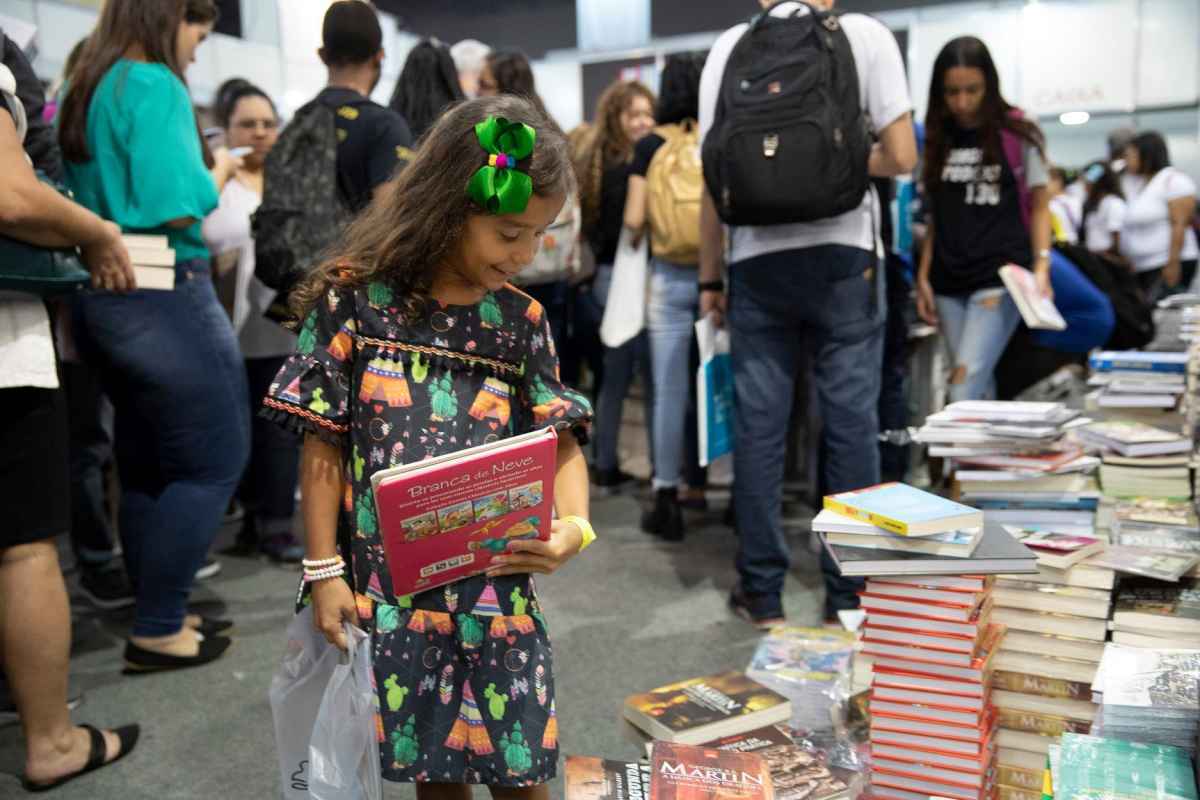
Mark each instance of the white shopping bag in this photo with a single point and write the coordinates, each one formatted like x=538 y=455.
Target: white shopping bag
x=319 y=693
x=625 y=308
x=714 y=391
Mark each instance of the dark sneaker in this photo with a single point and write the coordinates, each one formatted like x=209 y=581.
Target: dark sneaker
x=610 y=481
x=283 y=547
x=209 y=568
x=107 y=589
x=665 y=520
x=763 y=611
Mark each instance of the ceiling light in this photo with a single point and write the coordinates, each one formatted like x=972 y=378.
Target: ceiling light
x=1074 y=118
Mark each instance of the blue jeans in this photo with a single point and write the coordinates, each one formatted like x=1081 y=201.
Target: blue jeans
x=620 y=366
x=831 y=296
x=175 y=376
x=269 y=487
x=976 y=328
x=670 y=319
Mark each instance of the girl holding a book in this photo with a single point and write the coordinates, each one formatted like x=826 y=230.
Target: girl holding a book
x=414 y=345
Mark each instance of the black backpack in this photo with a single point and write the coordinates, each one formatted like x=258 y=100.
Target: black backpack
x=1134 y=314
x=303 y=208
x=790 y=141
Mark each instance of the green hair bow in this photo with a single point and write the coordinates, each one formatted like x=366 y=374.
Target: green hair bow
x=498 y=186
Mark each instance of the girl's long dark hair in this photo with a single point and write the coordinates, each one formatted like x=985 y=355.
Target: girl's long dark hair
x=996 y=113
x=405 y=235
x=1107 y=183
x=605 y=144
x=149 y=24
x=1152 y=153
x=679 y=90
x=428 y=85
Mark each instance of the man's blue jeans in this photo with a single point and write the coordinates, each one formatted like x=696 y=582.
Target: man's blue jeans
x=176 y=379
x=832 y=298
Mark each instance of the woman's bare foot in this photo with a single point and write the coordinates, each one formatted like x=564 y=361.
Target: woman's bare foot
x=50 y=761
x=184 y=643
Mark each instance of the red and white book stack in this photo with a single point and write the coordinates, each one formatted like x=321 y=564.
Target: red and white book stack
x=931 y=643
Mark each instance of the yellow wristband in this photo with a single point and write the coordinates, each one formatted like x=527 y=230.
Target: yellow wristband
x=585 y=527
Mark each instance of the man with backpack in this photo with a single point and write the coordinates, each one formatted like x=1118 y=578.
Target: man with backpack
x=798 y=109
x=338 y=151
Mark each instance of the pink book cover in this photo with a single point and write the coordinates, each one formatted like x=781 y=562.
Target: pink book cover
x=445 y=519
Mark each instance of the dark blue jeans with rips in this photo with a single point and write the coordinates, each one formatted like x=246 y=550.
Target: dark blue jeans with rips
x=831 y=299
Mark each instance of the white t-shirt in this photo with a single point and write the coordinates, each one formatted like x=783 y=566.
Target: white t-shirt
x=1146 y=237
x=883 y=91
x=228 y=229
x=1107 y=219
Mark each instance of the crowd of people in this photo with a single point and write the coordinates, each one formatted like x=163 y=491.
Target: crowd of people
x=461 y=299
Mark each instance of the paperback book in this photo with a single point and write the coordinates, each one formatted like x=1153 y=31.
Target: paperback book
x=904 y=510
x=702 y=709
x=796 y=773
x=684 y=772
x=590 y=778
x=446 y=518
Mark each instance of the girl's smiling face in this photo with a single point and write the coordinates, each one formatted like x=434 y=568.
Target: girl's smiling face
x=494 y=249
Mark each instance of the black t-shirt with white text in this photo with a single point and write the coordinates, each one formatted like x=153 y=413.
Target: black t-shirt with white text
x=977 y=221
x=372 y=142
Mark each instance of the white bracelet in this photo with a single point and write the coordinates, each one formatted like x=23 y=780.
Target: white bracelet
x=337 y=568
x=313 y=577
x=322 y=562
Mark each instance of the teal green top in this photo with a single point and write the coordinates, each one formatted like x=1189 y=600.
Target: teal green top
x=146 y=167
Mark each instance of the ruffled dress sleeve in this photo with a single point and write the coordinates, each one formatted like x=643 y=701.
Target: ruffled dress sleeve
x=311 y=392
x=544 y=399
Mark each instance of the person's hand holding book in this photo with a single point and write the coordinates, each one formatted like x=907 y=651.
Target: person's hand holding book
x=534 y=555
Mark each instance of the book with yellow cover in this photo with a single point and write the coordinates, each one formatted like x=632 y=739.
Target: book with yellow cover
x=905 y=510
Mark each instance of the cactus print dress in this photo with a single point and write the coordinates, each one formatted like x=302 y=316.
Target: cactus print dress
x=463 y=674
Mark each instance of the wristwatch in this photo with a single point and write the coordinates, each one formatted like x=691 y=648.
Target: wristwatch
x=585 y=527
x=712 y=286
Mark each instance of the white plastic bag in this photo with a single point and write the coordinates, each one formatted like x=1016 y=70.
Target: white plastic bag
x=323 y=708
x=625 y=308
x=714 y=390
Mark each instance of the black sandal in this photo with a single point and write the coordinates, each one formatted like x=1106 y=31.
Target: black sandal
x=139 y=661
x=127 y=738
x=211 y=626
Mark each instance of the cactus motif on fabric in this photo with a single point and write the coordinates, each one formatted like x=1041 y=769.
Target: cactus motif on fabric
x=418 y=367
x=319 y=404
x=306 y=342
x=379 y=294
x=469 y=631
x=396 y=694
x=365 y=514
x=443 y=401
x=404 y=743
x=497 y=701
x=516 y=752
x=446 y=686
x=387 y=618
x=489 y=312
x=539 y=684
x=519 y=602
x=358 y=462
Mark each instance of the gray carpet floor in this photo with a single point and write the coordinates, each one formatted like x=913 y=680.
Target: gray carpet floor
x=631 y=614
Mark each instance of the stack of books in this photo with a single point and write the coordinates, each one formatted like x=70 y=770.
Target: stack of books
x=1057 y=624
x=932 y=643
x=1149 y=695
x=1137 y=379
x=153 y=260
x=895 y=529
x=1093 y=767
x=1140 y=460
x=1168 y=525
x=1156 y=614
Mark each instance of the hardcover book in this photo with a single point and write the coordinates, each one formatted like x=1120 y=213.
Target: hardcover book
x=1037 y=310
x=996 y=552
x=702 y=709
x=1037 y=684
x=446 y=518
x=685 y=772
x=796 y=773
x=1138 y=361
x=904 y=509
x=597 y=779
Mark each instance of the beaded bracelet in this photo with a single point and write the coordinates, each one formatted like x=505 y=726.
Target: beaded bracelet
x=324 y=574
x=322 y=562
